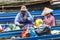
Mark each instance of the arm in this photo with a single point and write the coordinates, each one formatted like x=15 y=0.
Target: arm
x=47 y=20
x=30 y=18
x=54 y=22
x=17 y=19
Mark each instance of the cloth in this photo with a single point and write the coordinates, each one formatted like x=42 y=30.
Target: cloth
x=19 y=16
x=50 y=20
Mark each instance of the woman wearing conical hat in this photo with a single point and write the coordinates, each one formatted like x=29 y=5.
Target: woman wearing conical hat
x=48 y=17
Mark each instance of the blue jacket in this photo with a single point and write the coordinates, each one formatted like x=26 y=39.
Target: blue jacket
x=19 y=17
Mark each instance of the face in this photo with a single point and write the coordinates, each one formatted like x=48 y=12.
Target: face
x=48 y=14
x=23 y=12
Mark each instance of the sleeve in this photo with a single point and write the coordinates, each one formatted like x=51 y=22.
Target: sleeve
x=53 y=21
x=47 y=20
x=30 y=17
x=17 y=19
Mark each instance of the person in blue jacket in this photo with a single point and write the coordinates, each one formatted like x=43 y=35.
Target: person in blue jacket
x=23 y=17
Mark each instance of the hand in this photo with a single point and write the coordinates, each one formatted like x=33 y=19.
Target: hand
x=21 y=24
x=24 y=18
x=45 y=16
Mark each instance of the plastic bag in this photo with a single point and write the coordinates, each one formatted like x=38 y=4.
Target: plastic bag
x=16 y=27
x=1 y=29
x=23 y=34
x=42 y=30
x=32 y=32
x=7 y=29
x=28 y=33
x=38 y=22
x=13 y=27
